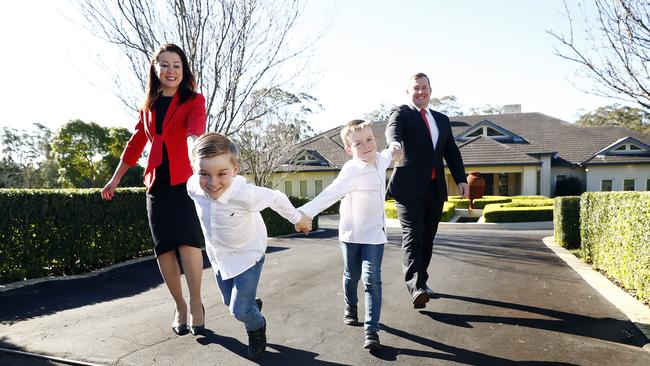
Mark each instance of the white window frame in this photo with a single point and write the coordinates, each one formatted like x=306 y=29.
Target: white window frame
x=623 y=184
x=601 y=184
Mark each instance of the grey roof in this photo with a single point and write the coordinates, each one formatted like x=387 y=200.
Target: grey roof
x=542 y=134
x=486 y=151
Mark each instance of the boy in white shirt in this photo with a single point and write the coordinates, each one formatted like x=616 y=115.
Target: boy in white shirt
x=362 y=185
x=235 y=234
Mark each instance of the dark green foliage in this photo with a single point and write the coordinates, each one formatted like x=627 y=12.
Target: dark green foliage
x=506 y=212
x=566 y=221
x=615 y=233
x=69 y=231
x=570 y=186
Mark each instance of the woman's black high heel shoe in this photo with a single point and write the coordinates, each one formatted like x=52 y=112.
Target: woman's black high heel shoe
x=180 y=329
x=198 y=329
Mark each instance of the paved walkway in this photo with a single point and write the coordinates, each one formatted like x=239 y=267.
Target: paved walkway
x=504 y=298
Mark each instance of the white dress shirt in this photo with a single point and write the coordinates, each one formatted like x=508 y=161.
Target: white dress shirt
x=235 y=234
x=363 y=188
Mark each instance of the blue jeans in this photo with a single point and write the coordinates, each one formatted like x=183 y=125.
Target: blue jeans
x=363 y=259
x=238 y=294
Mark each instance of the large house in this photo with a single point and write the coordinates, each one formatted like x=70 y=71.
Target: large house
x=516 y=153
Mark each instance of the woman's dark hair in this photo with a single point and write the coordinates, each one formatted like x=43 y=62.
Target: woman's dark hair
x=187 y=87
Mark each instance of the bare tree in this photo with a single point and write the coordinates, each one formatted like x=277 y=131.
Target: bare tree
x=617 y=54
x=268 y=145
x=236 y=48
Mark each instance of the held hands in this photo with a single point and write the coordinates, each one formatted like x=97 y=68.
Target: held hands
x=304 y=224
x=463 y=188
x=395 y=152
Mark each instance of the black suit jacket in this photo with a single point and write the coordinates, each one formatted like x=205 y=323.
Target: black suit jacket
x=411 y=175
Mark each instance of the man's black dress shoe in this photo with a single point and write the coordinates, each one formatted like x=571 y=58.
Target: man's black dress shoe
x=420 y=298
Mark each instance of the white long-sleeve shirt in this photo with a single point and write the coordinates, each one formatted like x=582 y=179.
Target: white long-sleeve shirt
x=363 y=188
x=235 y=234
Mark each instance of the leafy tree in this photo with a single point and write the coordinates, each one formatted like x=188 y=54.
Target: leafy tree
x=380 y=113
x=25 y=153
x=616 y=49
x=629 y=117
x=447 y=104
x=88 y=153
x=268 y=144
x=235 y=48
x=78 y=147
x=485 y=109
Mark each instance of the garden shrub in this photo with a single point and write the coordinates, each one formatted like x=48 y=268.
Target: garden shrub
x=566 y=221
x=615 y=237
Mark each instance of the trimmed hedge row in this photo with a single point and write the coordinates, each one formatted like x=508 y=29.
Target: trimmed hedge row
x=566 y=221
x=508 y=212
x=447 y=210
x=71 y=231
x=615 y=232
x=479 y=203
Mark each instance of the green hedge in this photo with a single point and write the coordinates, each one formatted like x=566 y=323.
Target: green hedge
x=448 y=210
x=531 y=202
x=505 y=212
x=71 y=231
x=566 y=221
x=615 y=233
x=480 y=203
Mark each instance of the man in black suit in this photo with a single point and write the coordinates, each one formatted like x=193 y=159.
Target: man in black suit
x=418 y=180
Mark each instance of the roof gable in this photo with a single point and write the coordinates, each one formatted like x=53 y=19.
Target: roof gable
x=491 y=130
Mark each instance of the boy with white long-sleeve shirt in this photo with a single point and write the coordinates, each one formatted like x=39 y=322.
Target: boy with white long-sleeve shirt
x=362 y=185
x=235 y=234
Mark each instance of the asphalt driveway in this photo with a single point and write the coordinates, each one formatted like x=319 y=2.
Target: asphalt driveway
x=504 y=298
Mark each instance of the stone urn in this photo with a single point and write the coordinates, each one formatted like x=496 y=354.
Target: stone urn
x=476 y=187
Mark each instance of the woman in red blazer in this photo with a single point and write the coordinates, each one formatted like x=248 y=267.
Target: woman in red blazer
x=171 y=118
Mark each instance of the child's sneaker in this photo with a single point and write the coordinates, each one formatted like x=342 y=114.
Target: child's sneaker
x=371 y=341
x=257 y=342
x=350 y=315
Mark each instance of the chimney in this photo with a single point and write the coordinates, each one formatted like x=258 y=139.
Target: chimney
x=511 y=108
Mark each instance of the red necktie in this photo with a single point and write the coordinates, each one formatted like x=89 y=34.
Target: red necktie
x=423 y=113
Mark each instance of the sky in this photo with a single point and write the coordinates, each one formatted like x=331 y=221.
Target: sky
x=483 y=52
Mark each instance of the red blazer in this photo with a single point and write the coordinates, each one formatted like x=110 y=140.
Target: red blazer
x=181 y=121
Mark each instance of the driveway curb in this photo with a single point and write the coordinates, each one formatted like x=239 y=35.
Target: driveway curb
x=636 y=311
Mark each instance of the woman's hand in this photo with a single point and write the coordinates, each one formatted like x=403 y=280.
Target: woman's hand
x=109 y=189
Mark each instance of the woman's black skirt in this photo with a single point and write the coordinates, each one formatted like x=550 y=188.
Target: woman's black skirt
x=172 y=218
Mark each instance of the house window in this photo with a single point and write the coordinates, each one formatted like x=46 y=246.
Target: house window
x=491 y=132
x=503 y=184
x=635 y=148
x=620 y=148
x=629 y=184
x=303 y=188
x=287 y=188
x=606 y=185
x=318 y=186
x=559 y=178
x=647 y=184
x=478 y=132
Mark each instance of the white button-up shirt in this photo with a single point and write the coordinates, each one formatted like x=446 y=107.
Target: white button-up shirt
x=363 y=188
x=235 y=234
